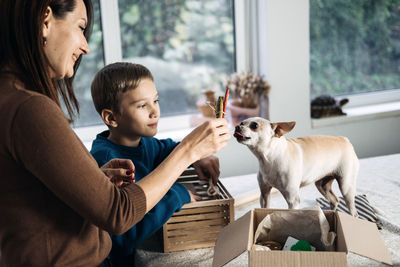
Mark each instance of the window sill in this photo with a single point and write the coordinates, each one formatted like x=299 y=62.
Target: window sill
x=354 y=114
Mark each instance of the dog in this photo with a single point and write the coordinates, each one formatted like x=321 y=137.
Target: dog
x=290 y=163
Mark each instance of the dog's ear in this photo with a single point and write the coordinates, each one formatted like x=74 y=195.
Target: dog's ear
x=281 y=128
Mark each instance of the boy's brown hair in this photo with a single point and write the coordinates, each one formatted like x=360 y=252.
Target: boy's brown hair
x=115 y=79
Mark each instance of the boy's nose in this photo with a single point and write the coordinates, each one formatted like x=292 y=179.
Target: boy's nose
x=155 y=112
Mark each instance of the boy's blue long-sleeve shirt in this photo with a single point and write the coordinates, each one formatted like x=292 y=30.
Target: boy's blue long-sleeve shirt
x=146 y=157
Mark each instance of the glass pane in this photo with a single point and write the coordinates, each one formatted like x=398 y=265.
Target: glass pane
x=188 y=45
x=90 y=64
x=354 y=46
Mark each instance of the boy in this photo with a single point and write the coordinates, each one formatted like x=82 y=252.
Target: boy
x=125 y=96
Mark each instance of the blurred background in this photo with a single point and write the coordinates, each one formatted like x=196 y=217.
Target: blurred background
x=303 y=48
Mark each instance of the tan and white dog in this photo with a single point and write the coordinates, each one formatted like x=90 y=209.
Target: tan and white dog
x=290 y=163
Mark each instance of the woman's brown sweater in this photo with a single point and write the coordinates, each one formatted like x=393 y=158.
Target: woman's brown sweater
x=56 y=205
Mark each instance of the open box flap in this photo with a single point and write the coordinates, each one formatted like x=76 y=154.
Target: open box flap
x=363 y=238
x=232 y=240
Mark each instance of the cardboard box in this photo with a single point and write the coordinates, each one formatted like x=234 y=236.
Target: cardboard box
x=353 y=235
x=198 y=223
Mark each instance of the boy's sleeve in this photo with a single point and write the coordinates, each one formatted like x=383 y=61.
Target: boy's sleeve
x=165 y=148
x=100 y=154
x=101 y=158
x=173 y=201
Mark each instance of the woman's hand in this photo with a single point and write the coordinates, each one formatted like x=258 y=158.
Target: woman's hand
x=120 y=171
x=206 y=139
x=208 y=168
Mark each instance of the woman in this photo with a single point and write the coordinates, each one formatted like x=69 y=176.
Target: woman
x=56 y=204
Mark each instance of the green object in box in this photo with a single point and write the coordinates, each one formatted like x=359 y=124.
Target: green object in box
x=301 y=245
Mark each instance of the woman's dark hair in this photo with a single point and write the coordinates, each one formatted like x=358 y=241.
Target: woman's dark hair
x=21 y=46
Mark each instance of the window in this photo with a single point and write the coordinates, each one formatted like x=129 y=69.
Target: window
x=354 y=46
x=187 y=44
x=90 y=64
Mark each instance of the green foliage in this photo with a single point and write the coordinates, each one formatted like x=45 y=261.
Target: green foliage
x=193 y=40
x=355 y=46
x=188 y=31
x=148 y=25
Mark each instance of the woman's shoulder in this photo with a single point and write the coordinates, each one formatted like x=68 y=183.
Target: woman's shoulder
x=15 y=93
x=16 y=100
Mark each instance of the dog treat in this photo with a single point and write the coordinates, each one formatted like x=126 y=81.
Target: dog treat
x=219 y=111
x=222 y=102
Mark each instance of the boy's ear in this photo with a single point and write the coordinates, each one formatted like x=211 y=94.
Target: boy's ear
x=108 y=117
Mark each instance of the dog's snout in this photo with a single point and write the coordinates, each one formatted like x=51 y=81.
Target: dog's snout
x=237 y=128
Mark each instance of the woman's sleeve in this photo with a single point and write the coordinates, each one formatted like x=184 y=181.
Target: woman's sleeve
x=45 y=144
x=173 y=201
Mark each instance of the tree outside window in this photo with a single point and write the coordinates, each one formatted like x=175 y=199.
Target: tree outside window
x=355 y=46
x=187 y=44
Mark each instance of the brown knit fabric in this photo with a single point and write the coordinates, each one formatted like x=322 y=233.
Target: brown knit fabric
x=55 y=203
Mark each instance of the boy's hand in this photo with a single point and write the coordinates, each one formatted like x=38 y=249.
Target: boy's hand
x=208 y=168
x=194 y=197
x=120 y=171
x=192 y=192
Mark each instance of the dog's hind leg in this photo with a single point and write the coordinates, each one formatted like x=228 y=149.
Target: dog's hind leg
x=324 y=186
x=349 y=194
x=347 y=182
x=265 y=193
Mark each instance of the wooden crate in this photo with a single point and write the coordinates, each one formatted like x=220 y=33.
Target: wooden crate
x=198 y=223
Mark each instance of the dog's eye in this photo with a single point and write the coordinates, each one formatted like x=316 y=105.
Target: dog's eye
x=242 y=123
x=253 y=125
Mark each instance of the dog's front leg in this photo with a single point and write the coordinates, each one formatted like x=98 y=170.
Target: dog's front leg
x=265 y=190
x=292 y=198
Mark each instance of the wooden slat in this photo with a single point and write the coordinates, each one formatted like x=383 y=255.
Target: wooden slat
x=194 y=231
x=186 y=246
x=219 y=208
x=193 y=238
x=206 y=203
x=223 y=189
x=184 y=225
x=188 y=171
x=197 y=217
x=231 y=210
x=188 y=179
